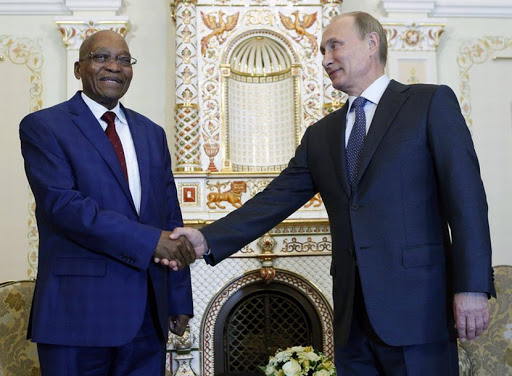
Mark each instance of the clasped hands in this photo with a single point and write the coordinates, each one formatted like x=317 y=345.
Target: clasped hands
x=180 y=248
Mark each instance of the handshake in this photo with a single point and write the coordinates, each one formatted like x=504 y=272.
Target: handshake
x=180 y=248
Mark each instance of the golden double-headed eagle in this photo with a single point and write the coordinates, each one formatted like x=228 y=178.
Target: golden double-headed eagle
x=219 y=27
x=300 y=26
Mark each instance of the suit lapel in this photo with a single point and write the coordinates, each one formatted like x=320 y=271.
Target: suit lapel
x=85 y=120
x=336 y=141
x=140 y=142
x=389 y=105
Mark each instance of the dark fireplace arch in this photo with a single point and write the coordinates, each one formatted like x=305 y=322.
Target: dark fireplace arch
x=249 y=319
x=259 y=319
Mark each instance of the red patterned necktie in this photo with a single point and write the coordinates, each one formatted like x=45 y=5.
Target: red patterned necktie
x=109 y=117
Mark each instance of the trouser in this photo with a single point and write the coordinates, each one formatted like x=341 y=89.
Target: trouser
x=143 y=356
x=365 y=354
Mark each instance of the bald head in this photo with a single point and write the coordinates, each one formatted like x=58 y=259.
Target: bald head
x=89 y=41
x=104 y=79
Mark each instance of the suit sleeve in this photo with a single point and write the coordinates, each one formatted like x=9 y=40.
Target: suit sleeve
x=462 y=192
x=282 y=197
x=78 y=218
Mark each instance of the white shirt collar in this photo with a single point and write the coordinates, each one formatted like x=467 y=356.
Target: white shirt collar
x=373 y=92
x=98 y=110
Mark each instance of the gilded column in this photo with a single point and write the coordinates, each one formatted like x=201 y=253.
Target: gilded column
x=74 y=30
x=333 y=99
x=187 y=128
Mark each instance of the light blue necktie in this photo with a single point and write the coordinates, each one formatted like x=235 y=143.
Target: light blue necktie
x=356 y=140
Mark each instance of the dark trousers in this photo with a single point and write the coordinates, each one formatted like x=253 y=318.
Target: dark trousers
x=365 y=354
x=143 y=356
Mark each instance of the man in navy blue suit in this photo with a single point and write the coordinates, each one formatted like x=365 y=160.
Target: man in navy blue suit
x=399 y=177
x=105 y=205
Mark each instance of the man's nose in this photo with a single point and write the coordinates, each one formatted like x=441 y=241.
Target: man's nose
x=326 y=60
x=113 y=64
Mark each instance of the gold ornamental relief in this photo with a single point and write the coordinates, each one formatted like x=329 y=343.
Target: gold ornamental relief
x=309 y=246
x=73 y=34
x=175 y=12
x=314 y=202
x=220 y=27
x=260 y=17
x=412 y=37
x=299 y=26
x=232 y=196
x=471 y=53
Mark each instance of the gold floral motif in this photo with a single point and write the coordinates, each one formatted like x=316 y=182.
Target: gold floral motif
x=412 y=37
x=187 y=76
x=18 y=356
x=14 y=300
x=187 y=17
x=186 y=54
x=471 y=53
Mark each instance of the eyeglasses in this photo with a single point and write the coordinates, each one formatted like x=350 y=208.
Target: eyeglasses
x=105 y=59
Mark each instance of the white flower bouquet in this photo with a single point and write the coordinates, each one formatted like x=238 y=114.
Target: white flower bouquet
x=299 y=361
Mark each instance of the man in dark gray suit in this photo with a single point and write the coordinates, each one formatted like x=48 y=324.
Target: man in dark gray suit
x=399 y=177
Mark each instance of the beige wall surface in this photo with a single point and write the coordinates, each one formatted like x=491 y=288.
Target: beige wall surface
x=151 y=40
x=14 y=104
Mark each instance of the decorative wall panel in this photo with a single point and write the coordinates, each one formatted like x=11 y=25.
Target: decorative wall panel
x=26 y=52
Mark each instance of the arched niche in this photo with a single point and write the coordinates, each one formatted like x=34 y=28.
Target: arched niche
x=260 y=102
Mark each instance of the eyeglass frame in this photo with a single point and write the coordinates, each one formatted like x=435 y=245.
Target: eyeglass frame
x=92 y=55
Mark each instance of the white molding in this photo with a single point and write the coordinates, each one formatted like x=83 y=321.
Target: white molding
x=452 y=8
x=94 y=5
x=57 y=7
x=33 y=7
x=413 y=6
x=473 y=11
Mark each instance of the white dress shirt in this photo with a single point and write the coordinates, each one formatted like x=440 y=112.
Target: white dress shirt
x=373 y=93
x=122 y=129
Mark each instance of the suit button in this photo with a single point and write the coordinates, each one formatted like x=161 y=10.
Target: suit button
x=354 y=207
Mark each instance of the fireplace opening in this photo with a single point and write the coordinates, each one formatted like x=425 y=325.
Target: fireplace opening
x=259 y=319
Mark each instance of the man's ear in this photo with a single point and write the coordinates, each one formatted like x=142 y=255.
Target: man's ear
x=373 y=43
x=77 y=70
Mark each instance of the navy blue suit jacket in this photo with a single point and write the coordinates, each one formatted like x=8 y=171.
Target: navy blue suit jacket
x=95 y=251
x=418 y=180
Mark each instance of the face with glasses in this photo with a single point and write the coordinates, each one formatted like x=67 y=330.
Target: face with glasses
x=105 y=67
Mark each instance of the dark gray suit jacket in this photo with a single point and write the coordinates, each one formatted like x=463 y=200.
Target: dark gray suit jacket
x=418 y=181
